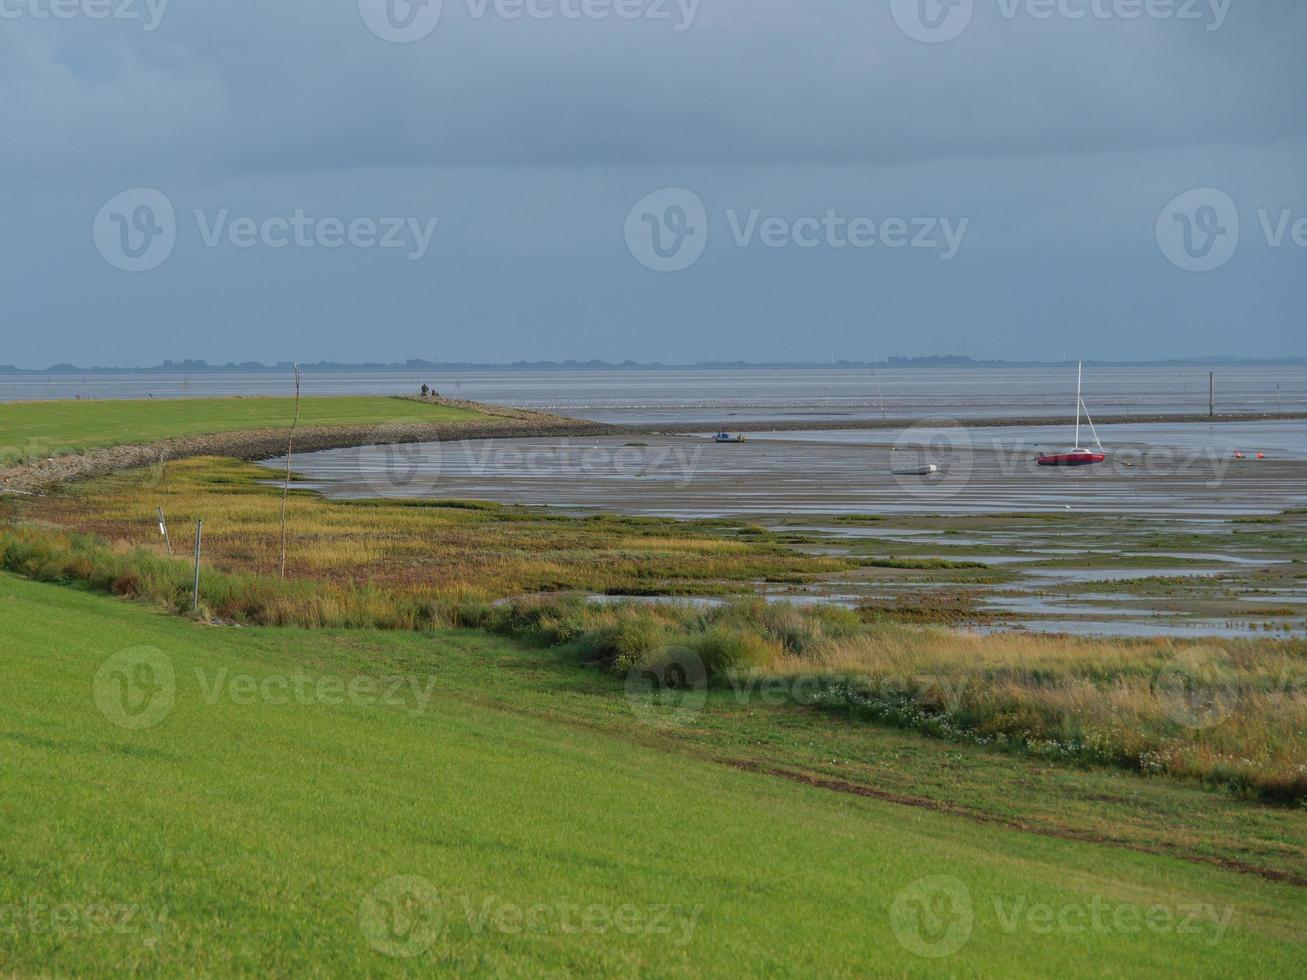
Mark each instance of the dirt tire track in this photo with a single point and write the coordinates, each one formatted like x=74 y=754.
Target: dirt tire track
x=953 y=809
x=693 y=750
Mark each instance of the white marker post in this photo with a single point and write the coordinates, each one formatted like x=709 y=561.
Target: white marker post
x=163 y=530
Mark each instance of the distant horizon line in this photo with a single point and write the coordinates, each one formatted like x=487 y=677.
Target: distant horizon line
x=199 y=366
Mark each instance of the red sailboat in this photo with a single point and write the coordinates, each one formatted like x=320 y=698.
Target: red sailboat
x=1077 y=456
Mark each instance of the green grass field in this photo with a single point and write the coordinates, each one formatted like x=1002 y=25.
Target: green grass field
x=506 y=813
x=181 y=797
x=39 y=429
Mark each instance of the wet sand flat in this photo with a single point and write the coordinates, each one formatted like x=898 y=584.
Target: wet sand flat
x=685 y=477
x=1154 y=543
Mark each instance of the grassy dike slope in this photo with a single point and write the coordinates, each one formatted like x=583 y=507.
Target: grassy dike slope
x=247 y=835
x=34 y=429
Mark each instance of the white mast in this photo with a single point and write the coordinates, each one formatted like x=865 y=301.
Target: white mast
x=1080 y=374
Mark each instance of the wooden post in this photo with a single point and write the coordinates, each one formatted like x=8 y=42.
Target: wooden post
x=290 y=448
x=163 y=529
x=1211 y=395
x=199 y=539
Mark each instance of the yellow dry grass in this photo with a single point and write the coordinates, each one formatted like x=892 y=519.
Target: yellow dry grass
x=1233 y=712
x=424 y=548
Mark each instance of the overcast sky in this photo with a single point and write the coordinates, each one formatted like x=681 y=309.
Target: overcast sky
x=762 y=179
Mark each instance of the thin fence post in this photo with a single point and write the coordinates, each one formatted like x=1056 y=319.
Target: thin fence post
x=163 y=529
x=290 y=449
x=199 y=543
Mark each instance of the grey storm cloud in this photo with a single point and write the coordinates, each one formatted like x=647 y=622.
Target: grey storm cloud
x=1038 y=140
x=247 y=85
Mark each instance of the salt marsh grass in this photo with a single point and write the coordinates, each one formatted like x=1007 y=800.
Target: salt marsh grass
x=1234 y=717
x=422 y=550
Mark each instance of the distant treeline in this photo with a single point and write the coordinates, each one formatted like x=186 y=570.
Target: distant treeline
x=415 y=365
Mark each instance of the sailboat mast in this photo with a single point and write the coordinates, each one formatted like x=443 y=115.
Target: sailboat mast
x=1080 y=375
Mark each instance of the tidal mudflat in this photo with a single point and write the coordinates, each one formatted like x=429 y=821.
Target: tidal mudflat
x=1123 y=576
x=1174 y=536
x=687 y=477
